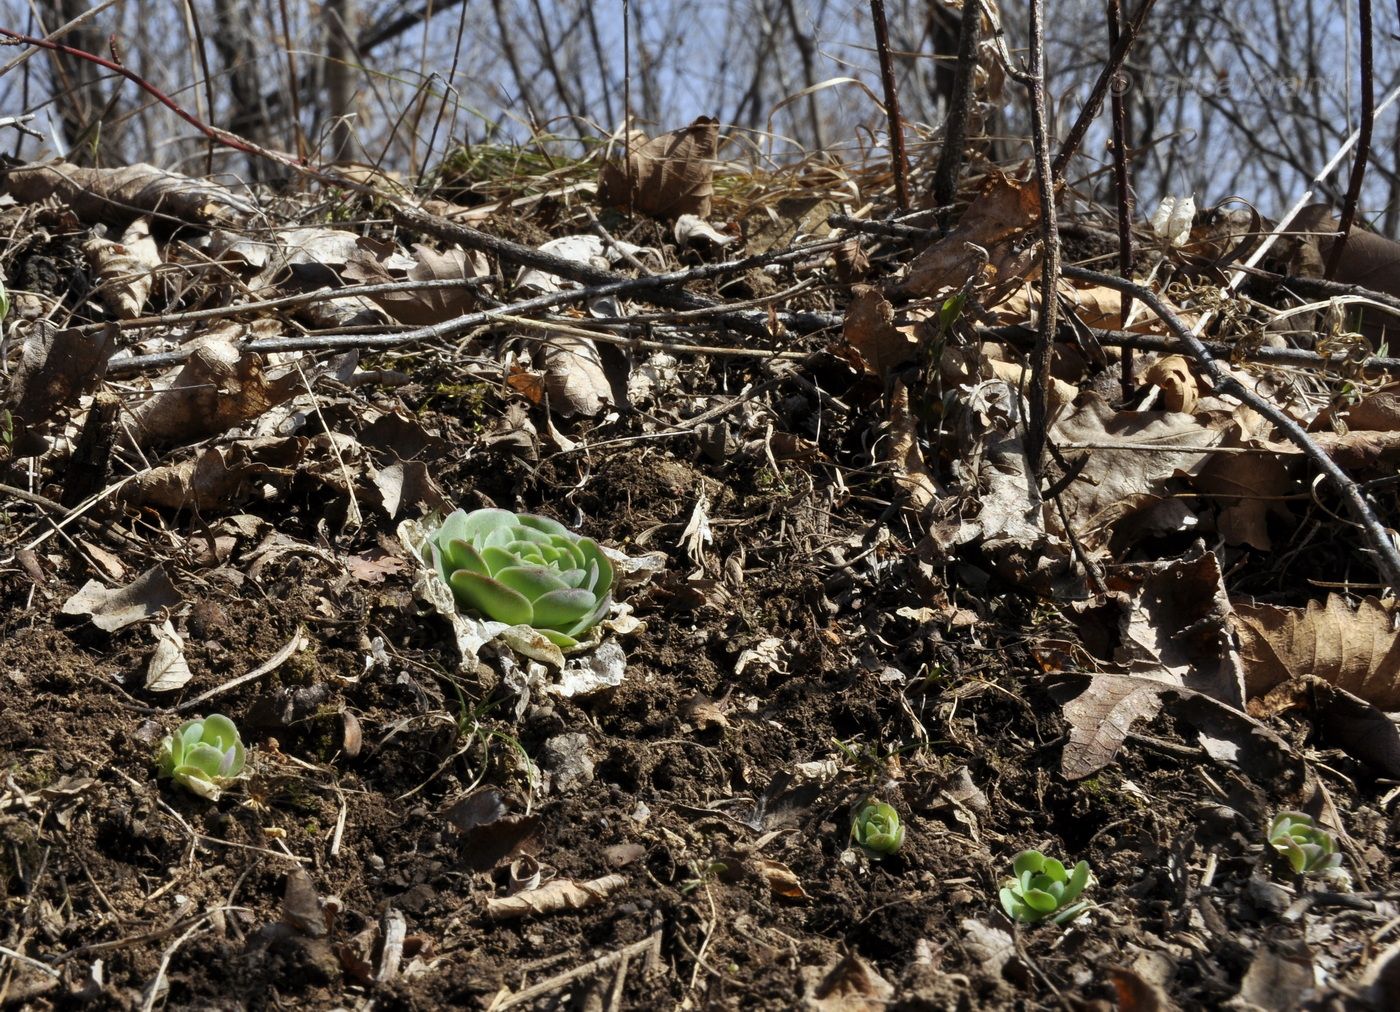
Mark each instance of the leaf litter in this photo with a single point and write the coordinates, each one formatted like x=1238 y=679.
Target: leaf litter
x=842 y=577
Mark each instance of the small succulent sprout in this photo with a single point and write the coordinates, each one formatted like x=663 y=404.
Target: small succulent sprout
x=1043 y=888
x=877 y=828
x=203 y=755
x=1308 y=848
x=523 y=570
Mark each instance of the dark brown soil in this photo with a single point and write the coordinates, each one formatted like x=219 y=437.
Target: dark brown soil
x=720 y=792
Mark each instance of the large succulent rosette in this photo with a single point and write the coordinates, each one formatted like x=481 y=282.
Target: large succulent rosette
x=523 y=569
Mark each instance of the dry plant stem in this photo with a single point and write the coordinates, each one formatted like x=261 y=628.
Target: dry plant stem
x=595 y=966
x=301 y=298
x=1363 y=142
x=897 y=160
x=222 y=136
x=1050 y=240
x=1260 y=251
x=63 y=513
x=894 y=229
x=1156 y=342
x=528 y=256
x=950 y=159
x=802 y=322
x=1387 y=556
x=58 y=33
x=1326 y=289
x=1109 y=73
x=1123 y=190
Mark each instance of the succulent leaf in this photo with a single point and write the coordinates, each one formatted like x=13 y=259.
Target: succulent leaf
x=492 y=598
x=523 y=570
x=203 y=755
x=877 y=828
x=1042 y=888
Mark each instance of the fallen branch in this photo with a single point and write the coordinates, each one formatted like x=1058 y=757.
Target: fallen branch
x=1025 y=337
x=615 y=285
x=651 y=944
x=657 y=288
x=1387 y=557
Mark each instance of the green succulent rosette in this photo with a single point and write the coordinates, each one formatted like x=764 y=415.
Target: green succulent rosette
x=1308 y=848
x=203 y=755
x=877 y=828
x=1043 y=887
x=522 y=569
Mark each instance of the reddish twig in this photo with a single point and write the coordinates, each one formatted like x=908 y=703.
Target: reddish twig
x=212 y=132
x=882 y=47
x=1363 y=143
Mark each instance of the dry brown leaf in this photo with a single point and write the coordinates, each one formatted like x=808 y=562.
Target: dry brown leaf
x=1356 y=650
x=998 y=217
x=1172 y=375
x=1102 y=715
x=574 y=377
x=1093 y=306
x=780 y=879
x=1134 y=459
x=848 y=985
x=143 y=598
x=1248 y=489
x=491 y=835
x=1341 y=719
x=57 y=367
x=115 y=195
x=302 y=906
x=375 y=565
x=219 y=477
x=911 y=474
x=692 y=230
x=670 y=175
x=424 y=306
x=1369 y=260
x=1018 y=376
x=552 y=897
x=1380 y=412
x=167 y=669
x=408 y=481
x=869 y=329
x=1165 y=632
x=1361 y=450
x=217 y=388
x=125 y=269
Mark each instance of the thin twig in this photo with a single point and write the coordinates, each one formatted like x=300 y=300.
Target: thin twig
x=1328 y=289
x=1107 y=74
x=1046 y=176
x=950 y=159
x=1242 y=271
x=1387 y=556
x=1296 y=357
x=302 y=298
x=616 y=284
x=891 y=88
x=1363 y=143
x=271 y=664
x=1123 y=191
x=589 y=969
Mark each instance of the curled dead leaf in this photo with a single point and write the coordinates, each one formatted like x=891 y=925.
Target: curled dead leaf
x=124 y=270
x=1172 y=375
x=666 y=176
